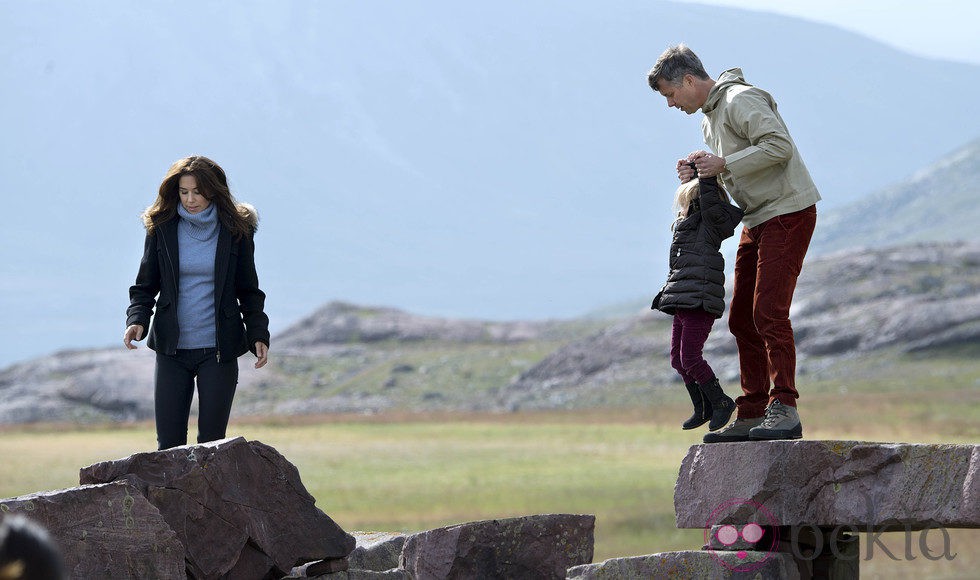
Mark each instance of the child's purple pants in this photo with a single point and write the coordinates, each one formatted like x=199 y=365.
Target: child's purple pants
x=690 y=331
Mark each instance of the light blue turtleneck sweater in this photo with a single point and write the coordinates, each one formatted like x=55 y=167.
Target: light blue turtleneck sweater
x=197 y=237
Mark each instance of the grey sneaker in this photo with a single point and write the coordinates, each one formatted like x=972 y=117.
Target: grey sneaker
x=781 y=422
x=737 y=430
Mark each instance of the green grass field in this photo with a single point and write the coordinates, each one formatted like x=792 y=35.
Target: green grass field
x=414 y=472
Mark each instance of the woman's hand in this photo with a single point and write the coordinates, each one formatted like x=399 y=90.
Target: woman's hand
x=261 y=351
x=133 y=332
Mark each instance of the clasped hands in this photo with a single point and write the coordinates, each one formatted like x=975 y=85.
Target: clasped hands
x=709 y=165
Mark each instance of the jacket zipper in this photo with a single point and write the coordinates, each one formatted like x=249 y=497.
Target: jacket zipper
x=173 y=273
x=217 y=345
x=217 y=310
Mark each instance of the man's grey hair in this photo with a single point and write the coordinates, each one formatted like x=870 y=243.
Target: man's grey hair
x=673 y=64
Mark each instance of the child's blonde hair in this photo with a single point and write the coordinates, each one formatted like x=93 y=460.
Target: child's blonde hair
x=690 y=191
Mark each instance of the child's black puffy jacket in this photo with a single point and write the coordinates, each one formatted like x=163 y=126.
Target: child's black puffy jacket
x=697 y=268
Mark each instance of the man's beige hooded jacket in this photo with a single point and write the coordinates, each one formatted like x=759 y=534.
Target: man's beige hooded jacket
x=764 y=174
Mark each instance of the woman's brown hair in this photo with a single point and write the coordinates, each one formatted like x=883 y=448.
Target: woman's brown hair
x=239 y=219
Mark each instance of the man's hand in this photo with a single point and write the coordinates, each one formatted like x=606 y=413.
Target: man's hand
x=684 y=171
x=708 y=165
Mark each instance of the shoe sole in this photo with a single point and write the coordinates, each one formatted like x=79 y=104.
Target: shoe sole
x=727 y=440
x=777 y=435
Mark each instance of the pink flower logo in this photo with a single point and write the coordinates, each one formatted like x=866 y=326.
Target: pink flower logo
x=761 y=534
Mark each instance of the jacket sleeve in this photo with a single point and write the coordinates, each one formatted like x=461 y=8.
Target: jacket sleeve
x=751 y=116
x=251 y=299
x=142 y=294
x=720 y=217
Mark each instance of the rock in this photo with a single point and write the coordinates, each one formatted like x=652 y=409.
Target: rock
x=821 y=553
x=841 y=342
x=378 y=551
x=233 y=504
x=971 y=486
x=540 y=546
x=879 y=486
x=580 y=366
x=964 y=333
x=912 y=297
x=343 y=323
x=105 y=531
x=320 y=568
x=817 y=553
x=930 y=324
x=692 y=564
x=394 y=574
x=79 y=386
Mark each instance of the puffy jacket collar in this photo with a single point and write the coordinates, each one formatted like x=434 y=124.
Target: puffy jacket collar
x=732 y=76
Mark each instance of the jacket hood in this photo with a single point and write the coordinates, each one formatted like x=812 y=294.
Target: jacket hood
x=732 y=76
x=248 y=211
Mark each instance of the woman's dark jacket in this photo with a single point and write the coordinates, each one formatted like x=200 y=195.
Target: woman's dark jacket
x=239 y=315
x=697 y=269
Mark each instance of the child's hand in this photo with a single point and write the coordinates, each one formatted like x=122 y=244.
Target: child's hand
x=684 y=171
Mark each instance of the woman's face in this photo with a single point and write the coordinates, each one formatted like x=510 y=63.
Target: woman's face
x=190 y=196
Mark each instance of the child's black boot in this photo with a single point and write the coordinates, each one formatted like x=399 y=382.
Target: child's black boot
x=702 y=408
x=722 y=406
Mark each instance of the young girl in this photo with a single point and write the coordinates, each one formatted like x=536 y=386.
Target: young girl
x=695 y=293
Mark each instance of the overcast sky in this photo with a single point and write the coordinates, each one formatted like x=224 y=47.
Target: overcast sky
x=945 y=29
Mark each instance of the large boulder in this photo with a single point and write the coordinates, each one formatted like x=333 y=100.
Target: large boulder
x=539 y=546
x=377 y=551
x=105 y=531
x=238 y=507
x=873 y=486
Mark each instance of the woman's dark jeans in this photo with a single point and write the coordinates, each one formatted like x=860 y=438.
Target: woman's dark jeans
x=767 y=264
x=216 y=383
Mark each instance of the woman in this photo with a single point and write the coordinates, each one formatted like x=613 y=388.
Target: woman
x=198 y=269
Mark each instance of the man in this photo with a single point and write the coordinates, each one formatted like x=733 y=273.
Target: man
x=757 y=161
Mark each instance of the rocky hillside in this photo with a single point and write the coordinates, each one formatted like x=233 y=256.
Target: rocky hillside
x=888 y=302
x=342 y=358
x=938 y=203
x=343 y=323
x=850 y=307
x=915 y=298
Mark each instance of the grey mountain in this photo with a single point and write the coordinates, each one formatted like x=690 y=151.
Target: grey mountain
x=938 y=203
x=492 y=160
